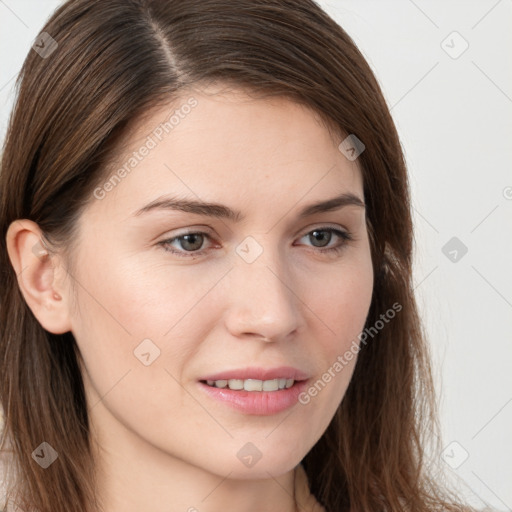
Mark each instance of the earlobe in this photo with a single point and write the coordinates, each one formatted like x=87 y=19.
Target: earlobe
x=36 y=272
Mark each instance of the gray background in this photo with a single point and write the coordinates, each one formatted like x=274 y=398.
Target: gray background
x=453 y=110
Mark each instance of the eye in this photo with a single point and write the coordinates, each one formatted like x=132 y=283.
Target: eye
x=189 y=245
x=321 y=237
x=187 y=242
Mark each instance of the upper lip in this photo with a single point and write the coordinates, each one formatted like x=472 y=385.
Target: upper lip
x=258 y=373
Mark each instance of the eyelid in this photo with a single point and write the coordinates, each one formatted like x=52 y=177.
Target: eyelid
x=319 y=226
x=204 y=230
x=342 y=233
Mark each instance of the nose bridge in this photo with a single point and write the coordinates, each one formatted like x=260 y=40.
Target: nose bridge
x=263 y=301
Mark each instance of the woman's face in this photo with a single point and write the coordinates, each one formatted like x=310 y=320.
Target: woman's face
x=256 y=292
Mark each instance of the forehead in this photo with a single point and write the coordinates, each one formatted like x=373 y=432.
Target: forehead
x=225 y=146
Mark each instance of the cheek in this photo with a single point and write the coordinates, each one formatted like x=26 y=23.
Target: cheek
x=133 y=357
x=135 y=315
x=342 y=304
x=341 y=308
x=137 y=297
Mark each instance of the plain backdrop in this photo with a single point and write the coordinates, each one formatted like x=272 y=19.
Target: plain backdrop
x=445 y=70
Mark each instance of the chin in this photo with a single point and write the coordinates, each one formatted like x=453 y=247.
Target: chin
x=264 y=470
x=257 y=460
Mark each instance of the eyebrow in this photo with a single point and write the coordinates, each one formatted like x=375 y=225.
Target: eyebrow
x=224 y=212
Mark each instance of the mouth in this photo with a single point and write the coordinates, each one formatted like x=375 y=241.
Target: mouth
x=256 y=379
x=252 y=385
x=256 y=391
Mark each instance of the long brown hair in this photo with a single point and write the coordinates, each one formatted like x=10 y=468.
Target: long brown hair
x=114 y=60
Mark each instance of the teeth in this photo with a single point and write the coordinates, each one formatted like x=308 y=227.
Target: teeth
x=252 y=384
x=270 y=385
x=235 y=384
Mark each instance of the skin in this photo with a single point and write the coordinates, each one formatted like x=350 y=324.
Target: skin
x=292 y=306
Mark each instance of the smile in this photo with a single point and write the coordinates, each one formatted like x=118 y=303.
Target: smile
x=252 y=384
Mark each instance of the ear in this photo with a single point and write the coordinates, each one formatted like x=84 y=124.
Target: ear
x=36 y=270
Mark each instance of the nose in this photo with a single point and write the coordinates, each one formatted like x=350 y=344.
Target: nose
x=262 y=300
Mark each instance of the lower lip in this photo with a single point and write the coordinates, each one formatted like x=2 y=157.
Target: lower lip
x=262 y=403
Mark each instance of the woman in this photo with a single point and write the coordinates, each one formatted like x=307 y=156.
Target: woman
x=206 y=243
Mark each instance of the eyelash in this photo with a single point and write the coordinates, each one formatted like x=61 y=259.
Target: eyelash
x=345 y=236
